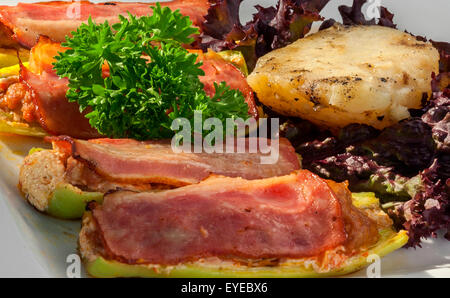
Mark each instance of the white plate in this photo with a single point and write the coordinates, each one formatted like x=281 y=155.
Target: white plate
x=37 y=245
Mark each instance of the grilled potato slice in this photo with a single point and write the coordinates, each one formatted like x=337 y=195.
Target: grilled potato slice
x=342 y=75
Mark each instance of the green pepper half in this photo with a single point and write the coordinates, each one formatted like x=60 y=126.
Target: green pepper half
x=101 y=267
x=69 y=202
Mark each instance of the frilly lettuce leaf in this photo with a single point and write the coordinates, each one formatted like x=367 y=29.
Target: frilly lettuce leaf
x=270 y=28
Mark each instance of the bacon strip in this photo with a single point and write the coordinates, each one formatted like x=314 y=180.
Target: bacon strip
x=54 y=112
x=131 y=161
x=293 y=216
x=57 y=19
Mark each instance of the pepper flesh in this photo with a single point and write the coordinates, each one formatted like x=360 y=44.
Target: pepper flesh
x=8 y=57
x=236 y=58
x=69 y=202
x=19 y=128
x=388 y=242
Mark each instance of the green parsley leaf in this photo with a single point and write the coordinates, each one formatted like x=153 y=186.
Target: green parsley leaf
x=152 y=79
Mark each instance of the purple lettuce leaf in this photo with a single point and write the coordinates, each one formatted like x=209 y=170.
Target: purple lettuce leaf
x=407 y=146
x=353 y=15
x=365 y=174
x=429 y=210
x=444 y=52
x=437 y=117
x=329 y=145
x=270 y=28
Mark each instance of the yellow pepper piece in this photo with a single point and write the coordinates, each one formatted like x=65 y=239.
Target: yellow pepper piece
x=8 y=57
x=10 y=71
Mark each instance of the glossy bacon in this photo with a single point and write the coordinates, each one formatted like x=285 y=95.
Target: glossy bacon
x=130 y=161
x=57 y=19
x=293 y=216
x=54 y=112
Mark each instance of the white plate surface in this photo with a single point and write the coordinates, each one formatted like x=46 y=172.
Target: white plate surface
x=35 y=245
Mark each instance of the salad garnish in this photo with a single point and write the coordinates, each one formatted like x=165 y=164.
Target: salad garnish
x=271 y=27
x=135 y=77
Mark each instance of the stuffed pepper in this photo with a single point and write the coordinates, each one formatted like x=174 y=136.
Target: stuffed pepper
x=63 y=180
x=297 y=225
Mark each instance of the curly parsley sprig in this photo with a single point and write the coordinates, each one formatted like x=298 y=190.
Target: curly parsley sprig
x=151 y=78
